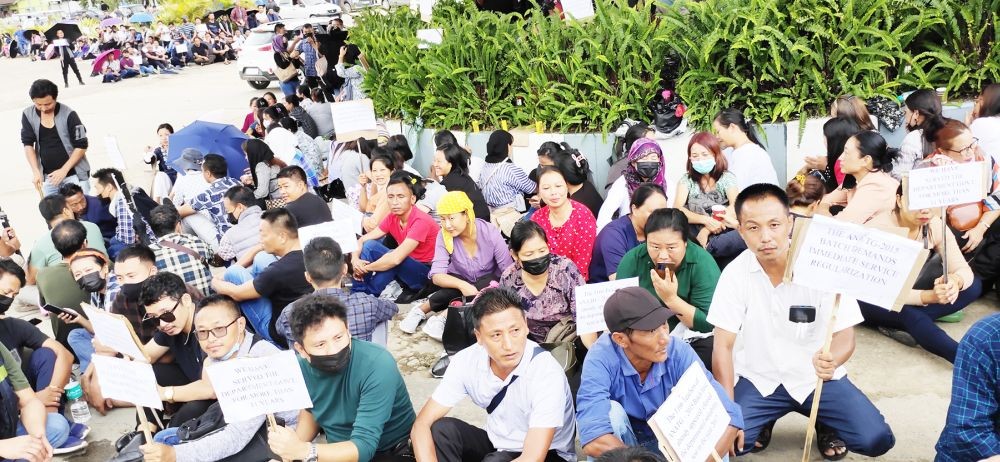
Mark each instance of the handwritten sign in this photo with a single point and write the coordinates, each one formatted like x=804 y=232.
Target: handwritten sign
x=692 y=419
x=354 y=119
x=945 y=185
x=129 y=381
x=115 y=332
x=335 y=230
x=251 y=387
x=865 y=263
x=428 y=37
x=578 y=9
x=590 y=300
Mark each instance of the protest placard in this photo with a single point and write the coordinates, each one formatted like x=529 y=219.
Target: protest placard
x=335 y=230
x=945 y=185
x=590 y=301
x=60 y=43
x=115 y=332
x=347 y=215
x=578 y=9
x=692 y=419
x=129 y=381
x=250 y=387
x=114 y=153
x=354 y=119
x=428 y=37
x=425 y=7
x=868 y=264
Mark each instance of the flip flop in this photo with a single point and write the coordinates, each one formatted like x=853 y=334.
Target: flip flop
x=827 y=439
x=764 y=439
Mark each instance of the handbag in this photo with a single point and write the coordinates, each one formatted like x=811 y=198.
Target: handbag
x=213 y=421
x=284 y=68
x=561 y=343
x=275 y=203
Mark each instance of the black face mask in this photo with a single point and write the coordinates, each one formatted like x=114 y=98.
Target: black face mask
x=538 y=265
x=131 y=291
x=92 y=282
x=5 y=303
x=332 y=364
x=647 y=169
x=231 y=218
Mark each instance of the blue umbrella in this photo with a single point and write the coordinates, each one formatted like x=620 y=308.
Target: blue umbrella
x=211 y=138
x=141 y=17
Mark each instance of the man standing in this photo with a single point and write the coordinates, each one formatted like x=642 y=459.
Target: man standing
x=54 y=139
x=90 y=208
x=774 y=372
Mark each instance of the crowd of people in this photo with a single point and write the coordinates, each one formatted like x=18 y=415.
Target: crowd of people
x=489 y=257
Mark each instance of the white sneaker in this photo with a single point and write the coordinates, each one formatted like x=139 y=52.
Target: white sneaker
x=412 y=320
x=434 y=328
x=391 y=291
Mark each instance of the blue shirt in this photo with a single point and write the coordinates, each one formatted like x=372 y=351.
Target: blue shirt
x=309 y=58
x=609 y=376
x=98 y=214
x=211 y=200
x=972 y=429
x=613 y=242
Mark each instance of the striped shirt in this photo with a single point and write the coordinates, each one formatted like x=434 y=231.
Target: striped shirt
x=503 y=182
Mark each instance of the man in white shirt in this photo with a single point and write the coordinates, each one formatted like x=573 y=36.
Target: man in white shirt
x=521 y=386
x=782 y=327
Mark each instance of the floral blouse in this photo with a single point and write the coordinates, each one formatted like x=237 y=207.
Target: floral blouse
x=557 y=300
x=575 y=238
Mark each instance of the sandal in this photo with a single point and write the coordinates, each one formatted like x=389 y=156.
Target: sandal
x=764 y=439
x=827 y=440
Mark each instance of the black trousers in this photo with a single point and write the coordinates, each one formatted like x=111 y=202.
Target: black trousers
x=170 y=375
x=439 y=300
x=703 y=348
x=457 y=441
x=66 y=65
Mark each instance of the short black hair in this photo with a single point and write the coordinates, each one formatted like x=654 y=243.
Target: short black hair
x=107 y=176
x=216 y=165
x=312 y=310
x=219 y=300
x=323 y=259
x=143 y=253
x=411 y=181
x=283 y=219
x=241 y=195
x=399 y=144
x=630 y=454
x=643 y=193
x=68 y=237
x=492 y=301
x=524 y=230
x=160 y=285
x=8 y=266
x=163 y=219
x=68 y=190
x=51 y=206
x=294 y=100
x=293 y=172
x=289 y=123
x=759 y=191
x=669 y=218
x=42 y=88
x=443 y=137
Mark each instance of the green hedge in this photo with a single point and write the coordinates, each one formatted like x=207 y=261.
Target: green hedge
x=779 y=59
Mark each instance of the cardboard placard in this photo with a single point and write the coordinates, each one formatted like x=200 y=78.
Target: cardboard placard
x=692 y=419
x=115 y=332
x=578 y=9
x=129 y=381
x=428 y=37
x=251 y=387
x=590 y=300
x=865 y=263
x=354 y=119
x=335 y=230
x=949 y=184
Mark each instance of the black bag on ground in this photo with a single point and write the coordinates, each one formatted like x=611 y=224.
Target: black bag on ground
x=212 y=421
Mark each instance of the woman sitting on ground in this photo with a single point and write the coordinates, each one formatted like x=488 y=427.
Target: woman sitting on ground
x=263 y=171
x=645 y=165
x=156 y=157
x=868 y=194
x=569 y=225
x=922 y=115
x=451 y=168
x=307 y=146
x=985 y=120
x=706 y=187
x=852 y=108
x=372 y=200
x=804 y=195
x=504 y=184
x=576 y=171
x=836 y=132
x=625 y=233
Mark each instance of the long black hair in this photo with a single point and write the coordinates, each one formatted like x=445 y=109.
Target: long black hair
x=730 y=116
x=927 y=103
x=457 y=157
x=257 y=152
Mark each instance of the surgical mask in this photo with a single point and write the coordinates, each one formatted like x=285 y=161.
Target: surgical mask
x=231 y=218
x=5 y=303
x=331 y=364
x=131 y=291
x=92 y=282
x=703 y=167
x=538 y=265
x=647 y=170
x=232 y=352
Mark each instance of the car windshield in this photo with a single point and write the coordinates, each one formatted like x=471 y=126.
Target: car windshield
x=259 y=38
x=314 y=2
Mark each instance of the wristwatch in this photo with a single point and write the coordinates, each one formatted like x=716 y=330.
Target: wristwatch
x=313 y=456
x=168 y=393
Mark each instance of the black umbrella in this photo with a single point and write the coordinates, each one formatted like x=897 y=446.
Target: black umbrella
x=29 y=33
x=71 y=31
x=220 y=13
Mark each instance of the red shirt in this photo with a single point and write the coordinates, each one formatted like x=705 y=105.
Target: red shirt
x=575 y=238
x=420 y=227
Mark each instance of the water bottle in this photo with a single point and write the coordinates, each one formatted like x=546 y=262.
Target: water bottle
x=78 y=408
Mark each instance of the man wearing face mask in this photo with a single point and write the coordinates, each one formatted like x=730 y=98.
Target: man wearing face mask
x=108 y=182
x=134 y=264
x=359 y=399
x=242 y=241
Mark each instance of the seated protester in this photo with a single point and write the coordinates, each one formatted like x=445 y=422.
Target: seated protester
x=129 y=68
x=222 y=52
x=804 y=195
x=25 y=436
x=182 y=254
x=70 y=238
x=90 y=209
x=970 y=431
x=307 y=208
x=469 y=254
x=706 y=185
x=569 y=225
x=451 y=168
x=216 y=173
x=544 y=280
x=325 y=269
x=774 y=371
x=241 y=242
x=371 y=195
x=297 y=112
x=575 y=169
x=415 y=232
x=631 y=371
x=871 y=195
x=319 y=110
x=625 y=232
x=533 y=417
x=202 y=53
x=645 y=165
x=112 y=70
x=108 y=182
x=836 y=132
x=688 y=281
x=630 y=454
x=190 y=180
x=360 y=401
x=931 y=297
x=545 y=155
x=306 y=146
x=745 y=155
x=55 y=212
x=222 y=335
x=269 y=285
x=264 y=168
x=503 y=182
x=92 y=273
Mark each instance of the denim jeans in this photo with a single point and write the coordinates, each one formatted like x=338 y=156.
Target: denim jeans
x=167 y=436
x=56 y=429
x=258 y=310
x=82 y=343
x=48 y=189
x=411 y=273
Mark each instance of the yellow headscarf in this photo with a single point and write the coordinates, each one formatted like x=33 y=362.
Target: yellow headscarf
x=455 y=202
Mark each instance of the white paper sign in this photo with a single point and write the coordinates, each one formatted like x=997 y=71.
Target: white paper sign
x=428 y=37
x=114 y=154
x=865 y=263
x=354 y=119
x=945 y=185
x=425 y=7
x=335 y=230
x=693 y=418
x=181 y=48
x=251 y=387
x=113 y=332
x=129 y=381
x=578 y=9
x=60 y=42
x=590 y=300
x=342 y=213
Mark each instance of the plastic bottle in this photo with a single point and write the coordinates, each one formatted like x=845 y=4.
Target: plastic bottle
x=78 y=409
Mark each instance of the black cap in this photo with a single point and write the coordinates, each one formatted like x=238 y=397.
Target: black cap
x=634 y=308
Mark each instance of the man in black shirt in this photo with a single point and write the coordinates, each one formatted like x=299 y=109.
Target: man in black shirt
x=202 y=53
x=54 y=139
x=307 y=208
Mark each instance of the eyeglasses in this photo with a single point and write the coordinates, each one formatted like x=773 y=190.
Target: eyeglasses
x=966 y=150
x=166 y=316
x=218 y=332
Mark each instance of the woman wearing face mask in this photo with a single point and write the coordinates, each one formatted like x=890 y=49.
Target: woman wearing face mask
x=625 y=233
x=645 y=165
x=922 y=115
x=706 y=195
x=545 y=281
x=91 y=271
x=569 y=225
x=748 y=160
x=263 y=170
x=156 y=157
x=371 y=198
x=868 y=160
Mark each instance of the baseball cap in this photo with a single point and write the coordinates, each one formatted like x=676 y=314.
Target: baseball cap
x=634 y=308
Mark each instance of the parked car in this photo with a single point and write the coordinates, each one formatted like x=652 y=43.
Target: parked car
x=306 y=9
x=256 y=60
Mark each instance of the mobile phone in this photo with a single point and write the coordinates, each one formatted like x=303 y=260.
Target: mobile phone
x=4 y=221
x=802 y=314
x=662 y=270
x=57 y=310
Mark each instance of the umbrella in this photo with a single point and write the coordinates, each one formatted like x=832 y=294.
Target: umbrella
x=220 y=13
x=211 y=138
x=71 y=31
x=141 y=17
x=111 y=22
x=27 y=34
x=101 y=58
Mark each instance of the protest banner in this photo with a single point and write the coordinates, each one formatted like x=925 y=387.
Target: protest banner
x=335 y=230
x=692 y=419
x=590 y=299
x=428 y=37
x=251 y=387
x=131 y=382
x=354 y=119
x=115 y=332
x=944 y=185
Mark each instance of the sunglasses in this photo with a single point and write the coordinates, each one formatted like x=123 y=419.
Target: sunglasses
x=218 y=332
x=166 y=316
